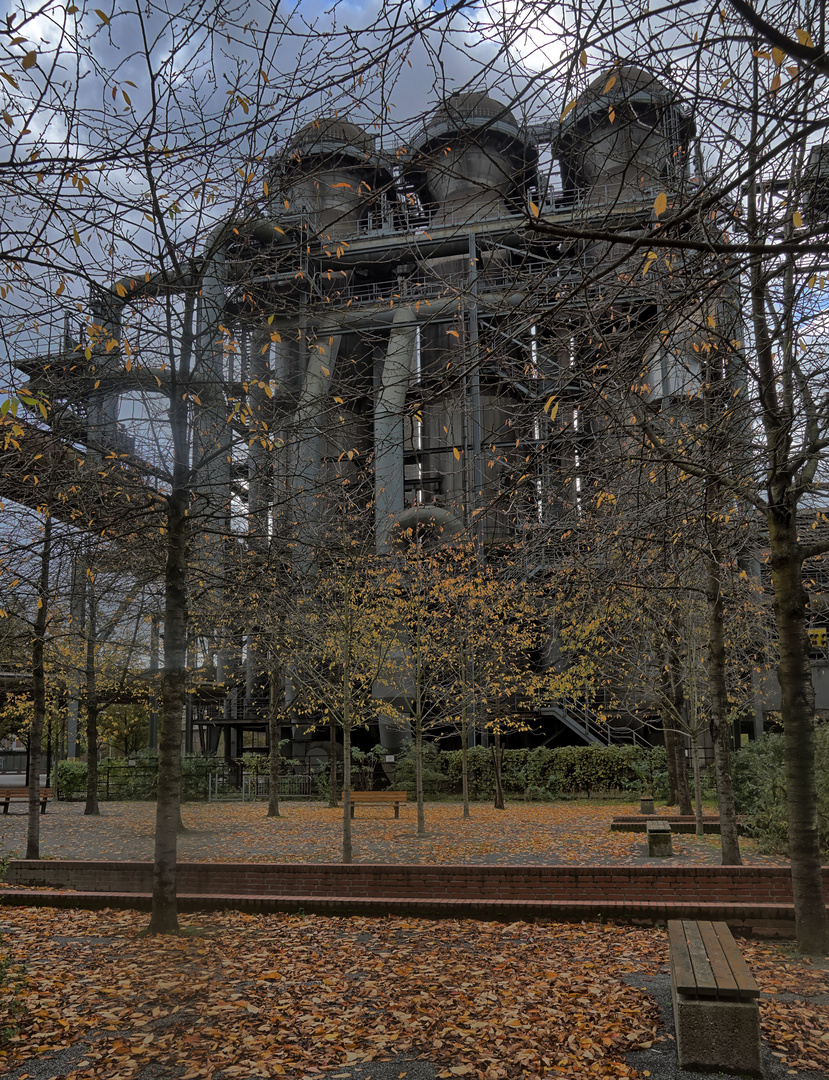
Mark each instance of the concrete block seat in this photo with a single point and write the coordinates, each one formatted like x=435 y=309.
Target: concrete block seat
x=715 y=999
x=659 y=839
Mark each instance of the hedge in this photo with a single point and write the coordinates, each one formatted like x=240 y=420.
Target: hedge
x=541 y=773
x=760 y=789
x=119 y=780
x=538 y=774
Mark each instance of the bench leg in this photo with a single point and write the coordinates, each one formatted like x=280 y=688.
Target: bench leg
x=397 y=810
x=659 y=845
x=352 y=809
x=6 y=807
x=43 y=806
x=721 y=1035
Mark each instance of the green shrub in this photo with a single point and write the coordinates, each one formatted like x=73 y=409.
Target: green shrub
x=71 y=779
x=433 y=777
x=481 y=777
x=117 y=779
x=760 y=789
x=541 y=773
x=195 y=769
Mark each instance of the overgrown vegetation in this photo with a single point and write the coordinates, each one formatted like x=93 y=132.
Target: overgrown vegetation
x=760 y=790
x=118 y=779
x=542 y=773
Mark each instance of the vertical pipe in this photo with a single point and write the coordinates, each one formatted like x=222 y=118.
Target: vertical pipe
x=307 y=435
x=256 y=367
x=388 y=427
x=105 y=315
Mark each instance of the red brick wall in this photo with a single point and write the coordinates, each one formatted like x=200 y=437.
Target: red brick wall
x=739 y=884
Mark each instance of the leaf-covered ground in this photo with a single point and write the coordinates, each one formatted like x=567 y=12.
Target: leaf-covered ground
x=262 y=996
x=246 y=996
x=544 y=833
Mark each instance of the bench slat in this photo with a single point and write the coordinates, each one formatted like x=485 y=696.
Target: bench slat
x=378 y=796
x=9 y=795
x=22 y=792
x=705 y=982
x=726 y=983
x=745 y=982
x=681 y=966
x=707 y=963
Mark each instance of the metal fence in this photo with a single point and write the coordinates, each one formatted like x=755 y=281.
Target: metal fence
x=223 y=788
x=126 y=782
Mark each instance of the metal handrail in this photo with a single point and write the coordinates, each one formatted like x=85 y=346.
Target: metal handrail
x=530 y=275
x=394 y=217
x=580 y=716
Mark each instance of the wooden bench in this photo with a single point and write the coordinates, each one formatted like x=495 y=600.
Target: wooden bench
x=715 y=999
x=21 y=794
x=377 y=798
x=659 y=839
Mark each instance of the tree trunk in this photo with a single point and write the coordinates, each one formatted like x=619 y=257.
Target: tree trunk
x=676 y=696
x=669 y=736
x=348 y=852
x=164 y=919
x=421 y=816
x=274 y=733
x=797 y=707
x=497 y=758
x=465 y=759
x=720 y=726
x=464 y=729
x=38 y=692
x=684 y=790
x=333 y=801
x=60 y=756
x=794 y=673
x=91 y=808
x=700 y=831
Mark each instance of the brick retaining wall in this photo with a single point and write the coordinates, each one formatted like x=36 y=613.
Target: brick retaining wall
x=665 y=884
x=751 y=899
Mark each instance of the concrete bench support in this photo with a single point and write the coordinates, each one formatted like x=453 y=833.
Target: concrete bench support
x=715 y=1000
x=659 y=839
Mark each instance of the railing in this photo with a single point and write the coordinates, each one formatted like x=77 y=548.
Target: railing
x=393 y=218
x=291 y=786
x=583 y=721
x=538 y=277
x=223 y=788
x=398 y=218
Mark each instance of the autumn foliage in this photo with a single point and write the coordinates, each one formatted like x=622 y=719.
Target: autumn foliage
x=261 y=996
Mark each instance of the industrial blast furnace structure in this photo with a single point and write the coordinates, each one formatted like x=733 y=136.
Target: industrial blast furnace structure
x=401 y=319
